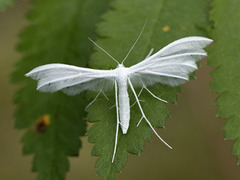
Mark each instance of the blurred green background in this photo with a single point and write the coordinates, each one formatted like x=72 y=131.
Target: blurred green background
x=199 y=150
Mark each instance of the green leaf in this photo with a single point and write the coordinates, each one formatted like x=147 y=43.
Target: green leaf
x=166 y=22
x=58 y=32
x=225 y=57
x=5 y=3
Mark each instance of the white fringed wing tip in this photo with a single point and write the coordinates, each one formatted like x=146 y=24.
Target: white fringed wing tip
x=70 y=79
x=172 y=64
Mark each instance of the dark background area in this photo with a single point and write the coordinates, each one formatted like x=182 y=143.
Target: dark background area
x=194 y=132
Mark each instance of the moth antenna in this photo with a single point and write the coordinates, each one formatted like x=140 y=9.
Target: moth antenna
x=104 y=50
x=135 y=42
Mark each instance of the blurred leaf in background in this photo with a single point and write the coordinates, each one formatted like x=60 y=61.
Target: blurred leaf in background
x=57 y=32
x=5 y=3
x=225 y=57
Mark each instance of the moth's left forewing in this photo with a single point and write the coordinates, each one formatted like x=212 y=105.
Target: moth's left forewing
x=71 y=79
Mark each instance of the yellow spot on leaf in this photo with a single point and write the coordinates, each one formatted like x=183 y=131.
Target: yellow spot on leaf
x=183 y=27
x=42 y=123
x=166 y=28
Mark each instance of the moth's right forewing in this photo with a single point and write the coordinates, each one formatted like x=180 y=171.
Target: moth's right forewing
x=172 y=64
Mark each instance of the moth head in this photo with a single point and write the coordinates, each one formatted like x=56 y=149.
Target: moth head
x=120 y=65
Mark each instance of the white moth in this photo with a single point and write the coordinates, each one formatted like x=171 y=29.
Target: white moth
x=171 y=66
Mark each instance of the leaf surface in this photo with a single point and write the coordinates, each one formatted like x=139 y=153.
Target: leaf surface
x=166 y=21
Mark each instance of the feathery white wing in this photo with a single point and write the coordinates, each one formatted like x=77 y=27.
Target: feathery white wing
x=71 y=79
x=172 y=64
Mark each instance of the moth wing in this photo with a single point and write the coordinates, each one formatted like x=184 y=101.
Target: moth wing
x=71 y=79
x=172 y=64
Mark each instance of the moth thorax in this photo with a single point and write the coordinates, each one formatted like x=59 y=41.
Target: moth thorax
x=122 y=74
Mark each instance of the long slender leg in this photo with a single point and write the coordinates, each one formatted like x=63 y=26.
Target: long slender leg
x=139 y=121
x=140 y=91
x=117 y=128
x=93 y=100
x=144 y=87
x=105 y=95
x=112 y=106
x=140 y=107
x=149 y=54
x=138 y=96
x=135 y=103
x=96 y=98
x=154 y=95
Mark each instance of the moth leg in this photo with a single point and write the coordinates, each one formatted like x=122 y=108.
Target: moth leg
x=136 y=102
x=144 y=116
x=112 y=106
x=140 y=92
x=93 y=100
x=105 y=95
x=96 y=99
x=139 y=121
x=123 y=125
x=138 y=96
x=154 y=95
x=117 y=128
x=149 y=54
